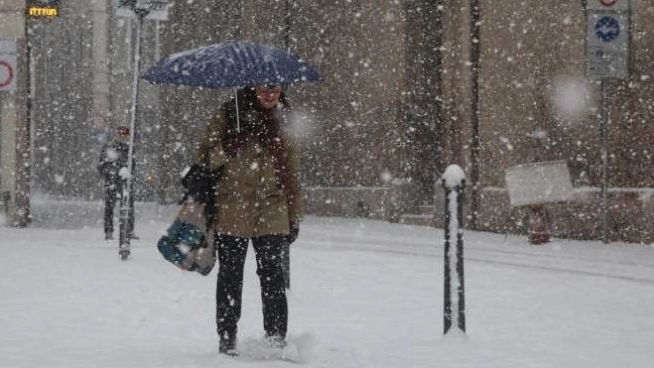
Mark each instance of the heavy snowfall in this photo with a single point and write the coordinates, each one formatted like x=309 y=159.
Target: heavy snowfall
x=403 y=90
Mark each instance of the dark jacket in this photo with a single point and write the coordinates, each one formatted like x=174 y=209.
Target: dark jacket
x=112 y=159
x=251 y=200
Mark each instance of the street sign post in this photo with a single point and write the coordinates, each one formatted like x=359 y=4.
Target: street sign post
x=607 y=57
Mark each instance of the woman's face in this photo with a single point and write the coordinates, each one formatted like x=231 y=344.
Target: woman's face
x=268 y=96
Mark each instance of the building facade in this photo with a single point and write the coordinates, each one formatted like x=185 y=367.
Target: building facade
x=531 y=53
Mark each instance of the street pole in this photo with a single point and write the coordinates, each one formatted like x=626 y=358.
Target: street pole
x=287 y=25
x=604 y=157
x=438 y=79
x=475 y=52
x=22 y=216
x=125 y=208
x=286 y=248
x=608 y=27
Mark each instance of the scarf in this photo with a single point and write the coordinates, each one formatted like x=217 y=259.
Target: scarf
x=264 y=125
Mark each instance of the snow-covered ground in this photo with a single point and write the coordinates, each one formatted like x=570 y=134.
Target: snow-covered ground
x=364 y=294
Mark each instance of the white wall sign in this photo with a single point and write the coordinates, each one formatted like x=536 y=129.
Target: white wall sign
x=539 y=183
x=8 y=62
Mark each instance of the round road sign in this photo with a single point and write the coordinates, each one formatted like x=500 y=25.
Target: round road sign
x=608 y=2
x=6 y=73
x=607 y=29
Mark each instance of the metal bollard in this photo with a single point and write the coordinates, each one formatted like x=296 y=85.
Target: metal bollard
x=453 y=313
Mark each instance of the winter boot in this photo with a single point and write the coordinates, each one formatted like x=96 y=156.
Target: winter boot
x=227 y=344
x=274 y=341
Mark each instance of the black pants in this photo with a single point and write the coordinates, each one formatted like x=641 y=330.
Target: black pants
x=113 y=192
x=231 y=259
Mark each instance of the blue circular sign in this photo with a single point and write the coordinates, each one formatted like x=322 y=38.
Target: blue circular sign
x=607 y=29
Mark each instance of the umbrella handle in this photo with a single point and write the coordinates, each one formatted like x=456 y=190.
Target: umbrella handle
x=238 y=114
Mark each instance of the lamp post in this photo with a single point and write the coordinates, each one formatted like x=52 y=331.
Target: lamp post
x=141 y=9
x=125 y=231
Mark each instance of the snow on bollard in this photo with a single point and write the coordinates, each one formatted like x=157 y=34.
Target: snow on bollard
x=454 y=302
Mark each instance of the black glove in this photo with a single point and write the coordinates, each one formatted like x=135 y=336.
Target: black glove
x=295 y=231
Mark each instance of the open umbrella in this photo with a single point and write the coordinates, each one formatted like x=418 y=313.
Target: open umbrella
x=231 y=64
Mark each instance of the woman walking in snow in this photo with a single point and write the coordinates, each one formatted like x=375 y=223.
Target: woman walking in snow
x=258 y=199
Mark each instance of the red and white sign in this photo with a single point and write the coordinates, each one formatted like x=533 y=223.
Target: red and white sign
x=7 y=72
x=8 y=75
x=617 y=5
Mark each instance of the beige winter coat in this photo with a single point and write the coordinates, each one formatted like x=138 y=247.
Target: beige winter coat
x=249 y=200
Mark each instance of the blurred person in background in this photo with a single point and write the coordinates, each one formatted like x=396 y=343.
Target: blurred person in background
x=114 y=171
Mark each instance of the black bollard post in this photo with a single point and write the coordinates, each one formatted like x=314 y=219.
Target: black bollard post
x=453 y=313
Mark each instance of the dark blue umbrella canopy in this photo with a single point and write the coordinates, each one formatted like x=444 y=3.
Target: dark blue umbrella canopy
x=231 y=64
